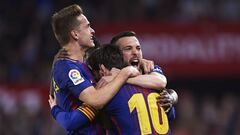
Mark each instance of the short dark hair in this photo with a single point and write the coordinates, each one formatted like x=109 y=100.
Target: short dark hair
x=121 y=35
x=109 y=55
x=64 y=21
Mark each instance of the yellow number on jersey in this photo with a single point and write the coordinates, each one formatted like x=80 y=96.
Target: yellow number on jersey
x=137 y=101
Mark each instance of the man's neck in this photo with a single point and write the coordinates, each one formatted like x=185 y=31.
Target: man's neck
x=75 y=51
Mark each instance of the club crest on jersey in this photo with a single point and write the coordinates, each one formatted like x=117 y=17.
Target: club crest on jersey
x=75 y=76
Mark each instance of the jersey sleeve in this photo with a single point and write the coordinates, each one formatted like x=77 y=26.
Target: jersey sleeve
x=171 y=114
x=70 y=76
x=157 y=69
x=74 y=119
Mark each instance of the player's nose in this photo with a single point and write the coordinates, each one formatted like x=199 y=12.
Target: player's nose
x=92 y=31
x=135 y=52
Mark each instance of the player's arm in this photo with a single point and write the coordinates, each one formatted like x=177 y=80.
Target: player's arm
x=97 y=98
x=74 y=119
x=69 y=120
x=153 y=80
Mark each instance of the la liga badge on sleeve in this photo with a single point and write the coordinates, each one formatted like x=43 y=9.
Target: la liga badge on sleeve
x=75 y=76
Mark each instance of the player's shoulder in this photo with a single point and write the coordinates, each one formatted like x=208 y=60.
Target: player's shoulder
x=65 y=70
x=157 y=69
x=128 y=86
x=157 y=66
x=66 y=64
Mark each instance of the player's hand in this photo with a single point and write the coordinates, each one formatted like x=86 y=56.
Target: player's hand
x=62 y=53
x=114 y=72
x=147 y=65
x=131 y=71
x=165 y=101
x=108 y=78
x=104 y=81
x=52 y=101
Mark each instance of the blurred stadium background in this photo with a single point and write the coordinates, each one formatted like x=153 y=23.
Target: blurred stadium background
x=197 y=43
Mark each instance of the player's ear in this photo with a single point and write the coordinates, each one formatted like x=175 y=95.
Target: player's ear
x=74 y=34
x=104 y=70
x=101 y=70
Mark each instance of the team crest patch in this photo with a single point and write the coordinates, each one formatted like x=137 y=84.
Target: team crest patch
x=75 y=76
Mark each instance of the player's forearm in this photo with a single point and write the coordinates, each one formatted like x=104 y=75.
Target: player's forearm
x=99 y=97
x=149 y=81
x=69 y=120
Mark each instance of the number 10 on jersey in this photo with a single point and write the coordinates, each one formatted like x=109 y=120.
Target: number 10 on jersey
x=137 y=101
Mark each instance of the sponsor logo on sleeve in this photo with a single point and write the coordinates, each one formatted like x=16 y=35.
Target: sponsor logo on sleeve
x=75 y=76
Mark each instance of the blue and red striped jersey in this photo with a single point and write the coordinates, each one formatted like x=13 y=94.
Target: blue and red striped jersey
x=70 y=78
x=134 y=111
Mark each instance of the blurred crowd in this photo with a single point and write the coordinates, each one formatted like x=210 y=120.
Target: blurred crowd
x=28 y=44
x=22 y=112
x=198 y=113
x=207 y=115
x=28 y=47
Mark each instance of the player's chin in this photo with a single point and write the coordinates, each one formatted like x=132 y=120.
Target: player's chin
x=91 y=44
